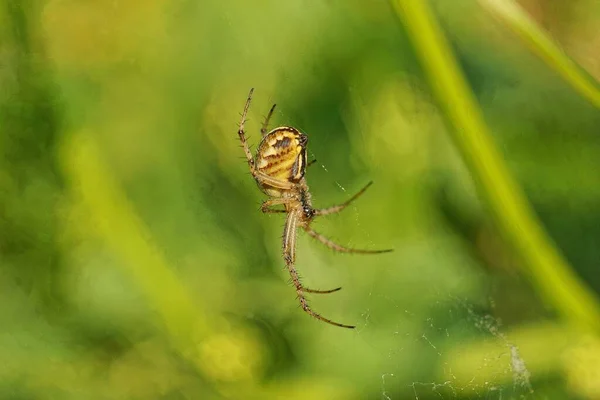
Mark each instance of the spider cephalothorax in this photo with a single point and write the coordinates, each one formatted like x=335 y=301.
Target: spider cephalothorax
x=279 y=168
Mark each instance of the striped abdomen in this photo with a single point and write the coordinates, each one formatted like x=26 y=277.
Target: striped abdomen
x=282 y=154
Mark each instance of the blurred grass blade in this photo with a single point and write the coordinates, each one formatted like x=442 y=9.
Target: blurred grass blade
x=551 y=275
x=125 y=233
x=510 y=13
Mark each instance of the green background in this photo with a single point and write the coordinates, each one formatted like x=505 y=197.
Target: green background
x=135 y=262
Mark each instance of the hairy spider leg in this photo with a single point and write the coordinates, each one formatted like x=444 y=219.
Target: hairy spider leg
x=265 y=126
x=242 y=135
x=332 y=245
x=340 y=207
x=289 y=254
x=307 y=290
x=269 y=180
x=267 y=205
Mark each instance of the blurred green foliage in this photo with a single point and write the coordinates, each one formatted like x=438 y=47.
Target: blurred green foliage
x=134 y=260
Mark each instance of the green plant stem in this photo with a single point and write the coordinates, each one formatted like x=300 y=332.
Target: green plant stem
x=117 y=223
x=550 y=273
x=512 y=15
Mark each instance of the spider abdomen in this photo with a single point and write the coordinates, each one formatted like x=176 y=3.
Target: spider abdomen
x=282 y=154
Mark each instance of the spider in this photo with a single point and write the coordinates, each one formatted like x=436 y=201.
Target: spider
x=278 y=168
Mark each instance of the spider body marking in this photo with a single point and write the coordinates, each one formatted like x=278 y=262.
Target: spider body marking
x=281 y=155
x=279 y=169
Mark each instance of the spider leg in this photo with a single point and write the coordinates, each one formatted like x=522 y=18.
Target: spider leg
x=266 y=208
x=311 y=163
x=307 y=290
x=338 y=208
x=332 y=245
x=265 y=126
x=267 y=204
x=309 y=311
x=242 y=134
x=259 y=176
x=289 y=254
x=269 y=180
